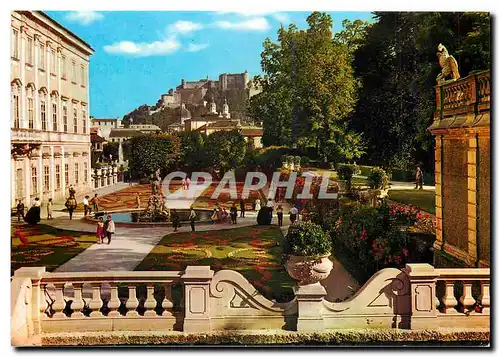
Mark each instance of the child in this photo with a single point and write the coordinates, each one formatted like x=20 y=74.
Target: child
x=100 y=230
x=49 y=209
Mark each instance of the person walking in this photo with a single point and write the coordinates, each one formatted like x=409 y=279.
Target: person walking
x=110 y=228
x=49 y=209
x=95 y=203
x=242 y=208
x=138 y=200
x=100 y=231
x=257 y=204
x=192 y=217
x=20 y=210
x=293 y=214
x=270 y=206
x=86 y=207
x=279 y=213
x=234 y=213
x=183 y=183
x=419 y=179
x=33 y=215
x=176 y=220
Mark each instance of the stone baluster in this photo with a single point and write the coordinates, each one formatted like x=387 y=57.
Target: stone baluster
x=59 y=303
x=150 y=302
x=96 y=302
x=466 y=299
x=485 y=296
x=45 y=299
x=449 y=299
x=196 y=280
x=114 y=302
x=78 y=304
x=132 y=302
x=167 y=303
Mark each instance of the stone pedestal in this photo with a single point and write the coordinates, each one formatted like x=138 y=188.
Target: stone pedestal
x=310 y=306
x=196 y=280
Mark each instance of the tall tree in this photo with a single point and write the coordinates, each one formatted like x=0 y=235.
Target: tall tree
x=397 y=67
x=308 y=89
x=192 y=153
x=225 y=150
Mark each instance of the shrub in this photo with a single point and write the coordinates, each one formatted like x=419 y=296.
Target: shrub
x=345 y=173
x=305 y=161
x=296 y=160
x=378 y=179
x=307 y=239
x=365 y=170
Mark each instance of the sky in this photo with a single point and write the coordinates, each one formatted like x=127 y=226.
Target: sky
x=141 y=54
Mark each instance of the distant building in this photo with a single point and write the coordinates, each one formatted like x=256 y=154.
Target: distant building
x=106 y=124
x=97 y=140
x=145 y=128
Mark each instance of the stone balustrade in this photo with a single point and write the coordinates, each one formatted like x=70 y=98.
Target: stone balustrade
x=416 y=297
x=104 y=176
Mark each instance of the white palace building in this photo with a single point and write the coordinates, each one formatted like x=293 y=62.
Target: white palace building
x=50 y=127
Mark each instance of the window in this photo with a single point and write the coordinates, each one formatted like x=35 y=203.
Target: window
x=34 y=181
x=31 y=110
x=29 y=50
x=41 y=57
x=58 y=177
x=46 y=179
x=19 y=183
x=54 y=116
x=66 y=174
x=65 y=116
x=85 y=172
x=75 y=120
x=82 y=74
x=84 y=119
x=15 y=43
x=76 y=174
x=15 y=105
x=64 y=69
x=73 y=71
x=53 y=68
x=43 y=114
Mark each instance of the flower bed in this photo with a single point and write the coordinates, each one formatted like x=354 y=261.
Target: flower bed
x=205 y=200
x=254 y=251
x=43 y=245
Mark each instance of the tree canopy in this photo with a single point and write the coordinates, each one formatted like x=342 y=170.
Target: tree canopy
x=192 y=153
x=225 y=150
x=308 y=90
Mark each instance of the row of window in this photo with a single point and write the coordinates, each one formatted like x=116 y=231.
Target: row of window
x=42 y=60
x=46 y=178
x=45 y=125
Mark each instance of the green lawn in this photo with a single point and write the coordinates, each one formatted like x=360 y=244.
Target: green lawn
x=42 y=245
x=253 y=251
x=424 y=199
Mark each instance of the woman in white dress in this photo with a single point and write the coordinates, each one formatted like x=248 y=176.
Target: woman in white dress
x=257 y=204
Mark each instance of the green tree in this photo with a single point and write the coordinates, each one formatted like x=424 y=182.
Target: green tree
x=149 y=153
x=225 y=150
x=192 y=149
x=308 y=89
x=397 y=66
x=110 y=149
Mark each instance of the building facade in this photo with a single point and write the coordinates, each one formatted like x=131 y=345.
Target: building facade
x=50 y=127
x=106 y=124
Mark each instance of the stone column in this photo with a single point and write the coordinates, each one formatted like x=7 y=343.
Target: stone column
x=23 y=106
x=37 y=295
x=424 y=302
x=472 y=206
x=439 y=192
x=63 y=172
x=196 y=280
x=98 y=177
x=52 y=172
x=310 y=307
x=27 y=181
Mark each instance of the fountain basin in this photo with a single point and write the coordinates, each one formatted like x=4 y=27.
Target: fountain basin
x=125 y=217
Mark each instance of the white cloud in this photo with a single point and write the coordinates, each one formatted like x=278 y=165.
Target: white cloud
x=281 y=17
x=184 y=27
x=256 y=24
x=278 y=16
x=84 y=17
x=144 y=49
x=196 y=47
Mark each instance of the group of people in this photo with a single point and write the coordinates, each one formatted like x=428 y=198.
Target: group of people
x=105 y=229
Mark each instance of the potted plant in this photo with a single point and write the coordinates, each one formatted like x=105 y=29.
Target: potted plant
x=307 y=248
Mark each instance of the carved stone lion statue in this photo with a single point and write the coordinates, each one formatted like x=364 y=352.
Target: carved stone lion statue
x=449 y=65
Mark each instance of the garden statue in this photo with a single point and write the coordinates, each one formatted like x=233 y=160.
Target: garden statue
x=449 y=65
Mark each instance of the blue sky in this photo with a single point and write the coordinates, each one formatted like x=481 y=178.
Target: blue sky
x=139 y=55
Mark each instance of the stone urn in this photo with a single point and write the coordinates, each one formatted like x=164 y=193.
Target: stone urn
x=308 y=270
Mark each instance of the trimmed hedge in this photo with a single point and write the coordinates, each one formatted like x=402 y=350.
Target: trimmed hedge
x=361 y=337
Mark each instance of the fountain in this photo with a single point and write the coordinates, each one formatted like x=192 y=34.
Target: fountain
x=156 y=210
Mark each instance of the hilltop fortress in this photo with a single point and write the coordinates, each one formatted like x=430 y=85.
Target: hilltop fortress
x=197 y=92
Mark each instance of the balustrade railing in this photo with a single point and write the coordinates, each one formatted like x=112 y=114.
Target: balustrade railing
x=466 y=95
x=416 y=297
